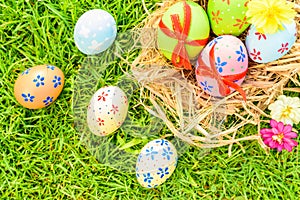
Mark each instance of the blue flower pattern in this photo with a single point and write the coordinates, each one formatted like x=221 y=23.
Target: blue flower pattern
x=39 y=80
x=220 y=64
x=154 y=186
x=147 y=178
x=48 y=100
x=206 y=87
x=151 y=152
x=137 y=174
x=28 y=97
x=26 y=71
x=167 y=152
x=162 y=172
x=241 y=54
x=50 y=67
x=162 y=142
x=56 y=81
x=214 y=41
x=139 y=158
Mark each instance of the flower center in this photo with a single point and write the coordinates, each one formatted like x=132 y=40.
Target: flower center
x=278 y=137
x=270 y=13
x=286 y=112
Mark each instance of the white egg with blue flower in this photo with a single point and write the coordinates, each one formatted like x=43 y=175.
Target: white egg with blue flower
x=156 y=163
x=95 y=31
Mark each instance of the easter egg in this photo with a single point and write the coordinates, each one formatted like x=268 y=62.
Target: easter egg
x=222 y=66
x=265 y=48
x=227 y=16
x=197 y=26
x=156 y=163
x=39 y=86
x=107 y=110
x=95 y=31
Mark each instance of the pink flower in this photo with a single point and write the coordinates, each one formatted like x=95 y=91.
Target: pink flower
x=279 y=136
x=114 y=109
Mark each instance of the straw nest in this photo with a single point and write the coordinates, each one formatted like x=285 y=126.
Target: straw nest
x=197 y=118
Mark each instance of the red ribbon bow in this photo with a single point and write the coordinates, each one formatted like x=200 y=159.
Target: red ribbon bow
x=224 y=82
x=180 y=57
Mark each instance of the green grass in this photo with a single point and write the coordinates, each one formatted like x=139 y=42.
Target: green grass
x=42 y=156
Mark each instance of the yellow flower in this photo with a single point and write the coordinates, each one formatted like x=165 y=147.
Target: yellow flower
x=268 y=16
x=286 y=110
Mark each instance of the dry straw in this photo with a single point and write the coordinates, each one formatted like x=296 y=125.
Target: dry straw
x=193 y=116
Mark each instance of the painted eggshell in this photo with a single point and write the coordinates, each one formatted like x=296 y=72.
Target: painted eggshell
x=156 y=163
x=265 y=48
x=107 y=110
x=199 y=29
x=230 y=59
x=95 y=31
x=227 y=16
x=39 y=86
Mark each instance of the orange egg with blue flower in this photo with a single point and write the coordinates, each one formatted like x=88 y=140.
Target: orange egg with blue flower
x=39 y=86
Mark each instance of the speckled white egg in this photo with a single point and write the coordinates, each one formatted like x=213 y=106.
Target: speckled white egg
x=156 y=163
x=265 y=48
x=95 y=31
x=107 y=110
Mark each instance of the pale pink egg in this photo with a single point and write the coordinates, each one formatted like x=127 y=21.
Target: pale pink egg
x=227 y=68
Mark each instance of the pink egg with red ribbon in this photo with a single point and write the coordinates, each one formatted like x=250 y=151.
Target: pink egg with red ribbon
x=222 y=66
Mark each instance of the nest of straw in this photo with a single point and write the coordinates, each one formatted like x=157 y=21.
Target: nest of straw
x=197 y=118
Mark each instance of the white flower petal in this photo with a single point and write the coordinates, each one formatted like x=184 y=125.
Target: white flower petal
x=286 y=109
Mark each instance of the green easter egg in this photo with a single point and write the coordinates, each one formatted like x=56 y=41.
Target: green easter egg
x=199 y=29
x=228 y=16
